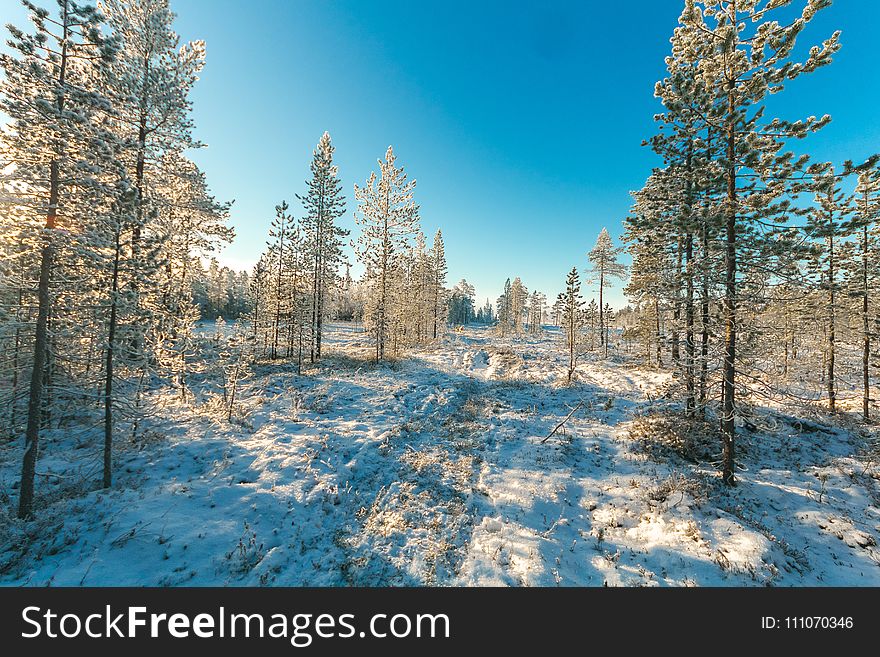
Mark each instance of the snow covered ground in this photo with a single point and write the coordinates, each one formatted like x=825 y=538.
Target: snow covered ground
x=432 y=470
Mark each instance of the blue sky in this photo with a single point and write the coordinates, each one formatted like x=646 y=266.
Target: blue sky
x=522 y=123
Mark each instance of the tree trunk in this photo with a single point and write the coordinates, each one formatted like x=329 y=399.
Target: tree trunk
x=866 y=334
x=436 y=297
x=601 y=315
x=704 y=324
x=317 y=281
x=704 y=294
x=657 y=332
x=16 y=356
x=277 y=328
x=689 y=298
x=319 y=323
x=728 y=429
x=676 y=309
x=832 y=397
x=108 y=368
x=32 y=433
x=386 y=253
x=41 y=338
x=690 y=401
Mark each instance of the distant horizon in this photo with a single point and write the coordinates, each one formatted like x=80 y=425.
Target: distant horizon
x=523 y=147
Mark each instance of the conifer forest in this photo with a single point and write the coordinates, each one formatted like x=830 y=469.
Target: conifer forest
x=694 y=401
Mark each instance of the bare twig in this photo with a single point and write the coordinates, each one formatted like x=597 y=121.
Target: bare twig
x=559 y=426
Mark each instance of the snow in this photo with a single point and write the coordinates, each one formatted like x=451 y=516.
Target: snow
x=432 y=470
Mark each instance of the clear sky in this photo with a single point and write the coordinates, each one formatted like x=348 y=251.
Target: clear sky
x=522 y=123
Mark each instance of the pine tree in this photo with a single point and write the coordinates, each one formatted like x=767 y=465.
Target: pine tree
x=324 y=204
x=648 y=274
x=557 y=308
x=51 y=94
x=279 y=255
x=152 y=78
x=537 y=303
x=865 y=272
x=746 y=55
x=150 y=83
x=604 y=265
x=438 y=283
x=504 y=310
x=685 y=141
x=826 y=224
x=192 y=225
x=389 y=220
x=572 y=319
x=608 y=313
x=461 y=303
x=519 y=296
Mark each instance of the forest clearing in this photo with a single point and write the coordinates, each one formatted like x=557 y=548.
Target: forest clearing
x=436 y=470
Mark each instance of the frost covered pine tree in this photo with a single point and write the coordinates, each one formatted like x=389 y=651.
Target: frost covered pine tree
x=537 y=304
x=503 y=309
x=648 y=246
x=746 y=54
x=438 y=284
x=518 y=305
x=865 y=276
x=461 y=303
x=150 y=83
x=389 y=221
x=608 y=313
x=605 y=267
x=827 y=226
x=685 y=142
x=324 y=204
x=192 y=224
x=280 y=247
x=557 y=308
x=52 y=95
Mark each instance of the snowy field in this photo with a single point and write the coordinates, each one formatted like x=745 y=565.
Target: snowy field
x=432 y=471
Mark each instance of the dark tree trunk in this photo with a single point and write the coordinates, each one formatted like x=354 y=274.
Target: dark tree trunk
x=831 y=387
x=41 y=338
x=32 y=433
x=676 y=309
x=728 y=428
x=601 y=315
x=690 y=402
x=704 y=324
x=866 y=334
x=108 y=367
x=658 y=336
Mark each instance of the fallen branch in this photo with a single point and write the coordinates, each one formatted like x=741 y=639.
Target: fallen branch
x=52 y=474
x=559 y=426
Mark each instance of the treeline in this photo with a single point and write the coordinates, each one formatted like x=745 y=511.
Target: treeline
x=220 y=291
x=586 y=326
x=104 y=218
x=751 y=261
x=296 y=285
